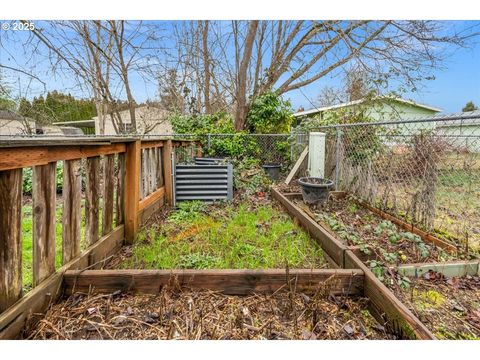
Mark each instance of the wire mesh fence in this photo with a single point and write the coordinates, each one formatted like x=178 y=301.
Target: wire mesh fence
x=426 y=171
x=279 y=149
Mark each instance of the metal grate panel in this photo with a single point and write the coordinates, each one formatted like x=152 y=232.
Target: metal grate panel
x=203 y=182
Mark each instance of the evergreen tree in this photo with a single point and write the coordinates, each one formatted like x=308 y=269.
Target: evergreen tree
x=469 y=106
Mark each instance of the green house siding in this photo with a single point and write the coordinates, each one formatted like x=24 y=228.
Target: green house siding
x=465 y=137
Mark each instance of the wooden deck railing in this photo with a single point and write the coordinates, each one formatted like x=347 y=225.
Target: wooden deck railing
x=109 y=185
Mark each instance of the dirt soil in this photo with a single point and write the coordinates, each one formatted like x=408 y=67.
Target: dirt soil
x=377 y=238
x=449 y=307
x=208 y=315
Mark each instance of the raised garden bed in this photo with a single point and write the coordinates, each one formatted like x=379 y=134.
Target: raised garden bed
x=245 y=234
x=379 y=242
x=297 y=305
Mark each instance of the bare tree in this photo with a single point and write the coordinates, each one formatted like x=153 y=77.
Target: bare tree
x=241 y=86
x=249 y=58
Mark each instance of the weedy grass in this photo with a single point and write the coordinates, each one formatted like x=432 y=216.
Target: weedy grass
x=27 y=240
x=27 y=244
x=224 y=236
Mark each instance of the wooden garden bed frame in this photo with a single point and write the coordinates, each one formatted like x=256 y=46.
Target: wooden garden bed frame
x=384 y=305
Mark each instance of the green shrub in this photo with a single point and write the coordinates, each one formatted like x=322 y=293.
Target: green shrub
x=28 y=179
x=269 y=113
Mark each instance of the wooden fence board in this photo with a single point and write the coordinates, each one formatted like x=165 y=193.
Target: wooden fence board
x=92 y=200
x=108 y=193
x=44 y=191
x=10 y=237
x=120 y=200
x=72 y=210
x=232 y=282
x=20 y=157
x=159 y=162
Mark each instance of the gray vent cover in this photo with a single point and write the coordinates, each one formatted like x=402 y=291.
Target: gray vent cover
x=203 y=182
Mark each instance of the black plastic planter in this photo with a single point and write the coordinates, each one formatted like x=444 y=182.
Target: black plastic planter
x=273 y=171
x=315 y=190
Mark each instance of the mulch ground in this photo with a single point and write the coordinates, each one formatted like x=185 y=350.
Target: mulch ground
x=449 y=307
x=208 y=315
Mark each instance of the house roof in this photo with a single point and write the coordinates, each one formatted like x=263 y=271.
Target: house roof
x=358 y=102
x=11 y=115
x=472 y=118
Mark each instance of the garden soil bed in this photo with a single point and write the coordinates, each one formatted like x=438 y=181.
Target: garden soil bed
x=185 y=314
x=449 y=307
x=377 y=239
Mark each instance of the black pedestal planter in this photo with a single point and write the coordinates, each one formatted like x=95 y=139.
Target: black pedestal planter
x=273 y=171
x=314 y=189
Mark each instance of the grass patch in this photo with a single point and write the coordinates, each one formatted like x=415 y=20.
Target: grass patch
x=27 y=246
x=224 y=236
x=27 y=240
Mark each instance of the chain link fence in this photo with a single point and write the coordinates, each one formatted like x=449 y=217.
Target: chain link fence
x=426 y=171
x=282 y=149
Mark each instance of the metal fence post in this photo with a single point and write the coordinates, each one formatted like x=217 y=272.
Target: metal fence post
x=208 y=142
x=338 y=143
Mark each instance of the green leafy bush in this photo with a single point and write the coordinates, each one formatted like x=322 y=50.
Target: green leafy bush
x=28 y=179
x=269 y=113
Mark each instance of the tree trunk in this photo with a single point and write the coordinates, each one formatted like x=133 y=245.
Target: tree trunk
x=241 y=89
x=206 y=67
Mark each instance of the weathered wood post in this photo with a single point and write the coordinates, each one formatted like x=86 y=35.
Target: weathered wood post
x=132 y=189
x=167 y=171
x=10 y=237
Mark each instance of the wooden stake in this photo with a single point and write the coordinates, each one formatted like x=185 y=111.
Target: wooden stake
x=297 y=165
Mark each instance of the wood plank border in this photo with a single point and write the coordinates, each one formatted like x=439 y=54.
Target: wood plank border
x=20 y=157
x=13 y=320
x=231 y=282
x=333 y=247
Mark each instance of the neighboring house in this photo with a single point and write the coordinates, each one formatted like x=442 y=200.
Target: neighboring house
x=150 y=120
x=381 y=108
x=12 y=124
x=464 y=134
